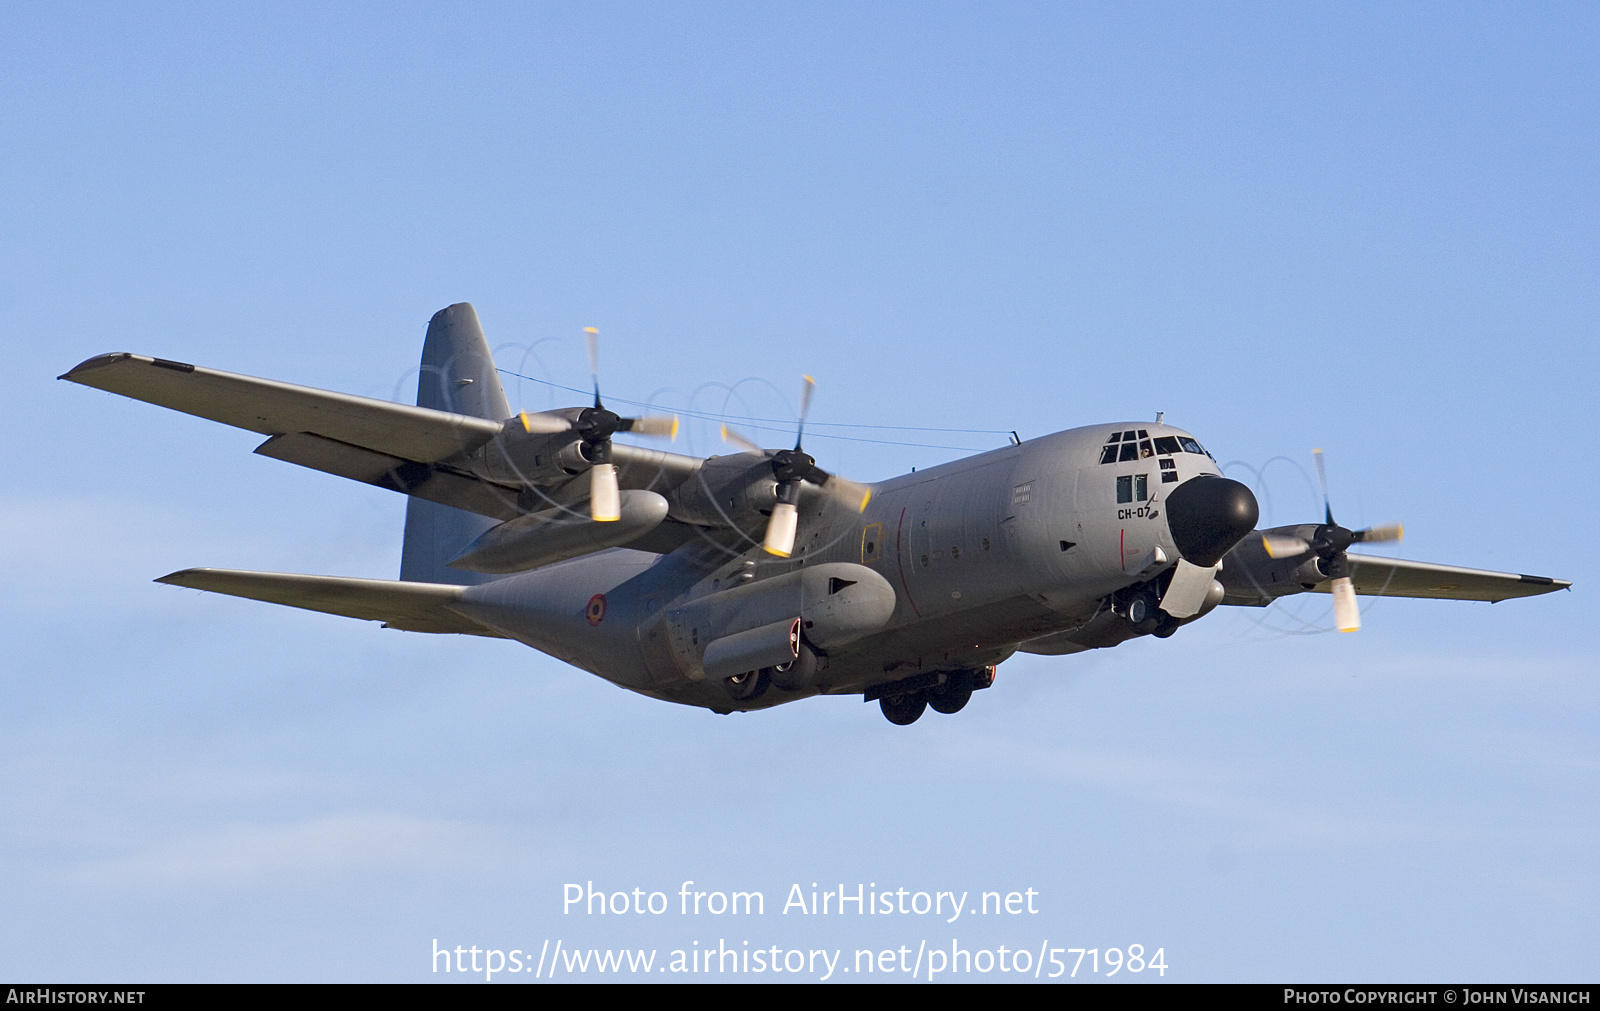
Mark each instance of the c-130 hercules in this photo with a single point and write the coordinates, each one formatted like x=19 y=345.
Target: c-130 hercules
x=745 y=581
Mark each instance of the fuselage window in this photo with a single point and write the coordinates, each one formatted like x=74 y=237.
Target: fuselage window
x=1133 y=488
x=1130 y=451
x=1109 y=454
x=1167 y=444
x=1190 y=446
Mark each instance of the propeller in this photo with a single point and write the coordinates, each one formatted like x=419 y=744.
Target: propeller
x=792 y=467
x=1329 y=543
x=595 y=426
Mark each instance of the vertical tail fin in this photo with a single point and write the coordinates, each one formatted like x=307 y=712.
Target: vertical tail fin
x=457 y=375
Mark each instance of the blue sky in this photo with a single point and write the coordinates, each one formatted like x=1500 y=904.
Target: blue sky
x=1365 y=228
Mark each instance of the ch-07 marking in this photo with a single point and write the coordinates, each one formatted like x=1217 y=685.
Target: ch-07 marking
x=749 y=580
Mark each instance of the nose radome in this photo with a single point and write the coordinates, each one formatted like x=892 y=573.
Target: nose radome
x=1208 y=515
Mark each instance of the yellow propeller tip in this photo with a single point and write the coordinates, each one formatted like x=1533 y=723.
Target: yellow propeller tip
x=674 y=435
x=590 y=329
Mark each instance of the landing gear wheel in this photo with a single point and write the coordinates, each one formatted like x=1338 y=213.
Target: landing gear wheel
x=797 y=674
x=1138 y=610
x=748 y=686
x=902 y=710
x=953 y=695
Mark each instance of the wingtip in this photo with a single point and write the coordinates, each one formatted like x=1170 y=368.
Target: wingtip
x=94 y=364
x=183 y=577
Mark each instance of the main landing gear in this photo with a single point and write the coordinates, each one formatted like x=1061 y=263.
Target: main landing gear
x=795 y=676
x=749 y=685
x=903 y=702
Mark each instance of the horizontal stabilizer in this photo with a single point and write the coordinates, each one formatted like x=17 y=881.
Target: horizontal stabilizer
x=414 y=607
x=274 y=408
x=1397 y=577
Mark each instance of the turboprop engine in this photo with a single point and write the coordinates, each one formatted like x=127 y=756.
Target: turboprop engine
x=553 y=535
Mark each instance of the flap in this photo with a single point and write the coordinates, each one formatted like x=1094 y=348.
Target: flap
x=434 y=482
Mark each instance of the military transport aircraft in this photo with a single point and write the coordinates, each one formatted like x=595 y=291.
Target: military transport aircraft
x=748 y=580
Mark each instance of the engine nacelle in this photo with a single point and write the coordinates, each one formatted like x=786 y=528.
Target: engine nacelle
x=1251 y=576
x=553 y=535
x=740 y=489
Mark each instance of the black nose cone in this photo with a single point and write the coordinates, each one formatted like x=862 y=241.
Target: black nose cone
x=1209 y=515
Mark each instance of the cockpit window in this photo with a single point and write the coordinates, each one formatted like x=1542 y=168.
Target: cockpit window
x=1121 y=447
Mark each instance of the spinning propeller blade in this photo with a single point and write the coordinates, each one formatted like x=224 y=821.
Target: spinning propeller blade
x=543 y=424
x=792 y=467
x=729 y=435
x=596 y=425
x=1279 y=546
x=1374 y=535
x=1346 y=612
x=605 y=498
x=1328 y=544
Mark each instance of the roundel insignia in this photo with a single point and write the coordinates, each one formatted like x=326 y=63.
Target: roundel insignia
x=596 y=612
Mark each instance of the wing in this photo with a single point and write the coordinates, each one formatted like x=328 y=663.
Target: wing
x=1397 y=577
x=273 y=408
x=436 y=455
x=414 y=607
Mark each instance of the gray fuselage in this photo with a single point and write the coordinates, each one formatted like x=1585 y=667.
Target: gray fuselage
x=982 y=554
